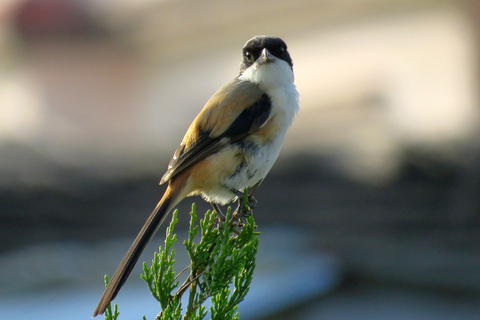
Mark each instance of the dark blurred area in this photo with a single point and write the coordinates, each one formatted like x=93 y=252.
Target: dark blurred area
x=381 y=169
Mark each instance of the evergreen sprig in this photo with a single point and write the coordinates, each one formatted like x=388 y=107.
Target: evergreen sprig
x=221 y=268
x=109 y=313
x=160 y=277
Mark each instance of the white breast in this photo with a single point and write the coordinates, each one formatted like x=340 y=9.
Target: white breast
x=261 y=160
x=276 y=79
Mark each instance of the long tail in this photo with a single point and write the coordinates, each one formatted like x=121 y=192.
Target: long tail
x=168 y=201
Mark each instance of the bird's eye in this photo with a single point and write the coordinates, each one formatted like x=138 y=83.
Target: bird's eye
x=280 y=50
x=248 y=56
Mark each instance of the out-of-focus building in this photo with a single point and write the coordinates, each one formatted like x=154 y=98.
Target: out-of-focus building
x=89 y=84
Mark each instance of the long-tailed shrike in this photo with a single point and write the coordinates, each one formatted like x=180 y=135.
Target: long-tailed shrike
x=231 y=145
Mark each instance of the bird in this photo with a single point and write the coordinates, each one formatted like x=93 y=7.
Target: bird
x=231 y=145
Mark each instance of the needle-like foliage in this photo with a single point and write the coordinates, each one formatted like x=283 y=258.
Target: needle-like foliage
x=221 y=268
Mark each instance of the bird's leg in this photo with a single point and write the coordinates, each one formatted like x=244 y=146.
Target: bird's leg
x=220 y=215
x=252 y=202
x=242 y=211
x=240 y=204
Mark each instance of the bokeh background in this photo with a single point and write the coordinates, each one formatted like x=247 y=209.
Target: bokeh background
x=371 y=212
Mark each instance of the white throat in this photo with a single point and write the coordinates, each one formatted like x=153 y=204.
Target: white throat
x=276 y=79
x=271 y=75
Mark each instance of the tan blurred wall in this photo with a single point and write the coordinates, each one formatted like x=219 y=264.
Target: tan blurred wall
x=377 y=79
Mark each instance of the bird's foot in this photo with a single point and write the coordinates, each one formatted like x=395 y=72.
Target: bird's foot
x=244 y=208
x=220 y=215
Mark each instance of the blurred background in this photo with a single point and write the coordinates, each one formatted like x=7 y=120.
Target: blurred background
x=371 y=212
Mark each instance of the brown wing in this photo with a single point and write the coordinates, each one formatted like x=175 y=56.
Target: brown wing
x=237 y=109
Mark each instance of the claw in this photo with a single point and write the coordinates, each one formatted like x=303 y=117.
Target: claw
x=220 y=215
x=252 y=202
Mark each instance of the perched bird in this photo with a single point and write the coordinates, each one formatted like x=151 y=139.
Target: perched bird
x=231 y=145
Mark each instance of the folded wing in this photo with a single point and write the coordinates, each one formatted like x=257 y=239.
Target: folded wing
x=236 y=110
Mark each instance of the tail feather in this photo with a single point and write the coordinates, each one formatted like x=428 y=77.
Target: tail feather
x=154 y=221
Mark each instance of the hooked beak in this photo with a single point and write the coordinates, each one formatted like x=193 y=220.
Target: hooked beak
x=266 y=57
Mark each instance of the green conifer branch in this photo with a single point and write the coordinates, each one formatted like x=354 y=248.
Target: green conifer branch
x=221 y=268
x=109 y=313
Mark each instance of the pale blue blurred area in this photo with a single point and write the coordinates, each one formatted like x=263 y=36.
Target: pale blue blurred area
x=372 y=211
x=67 y=285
